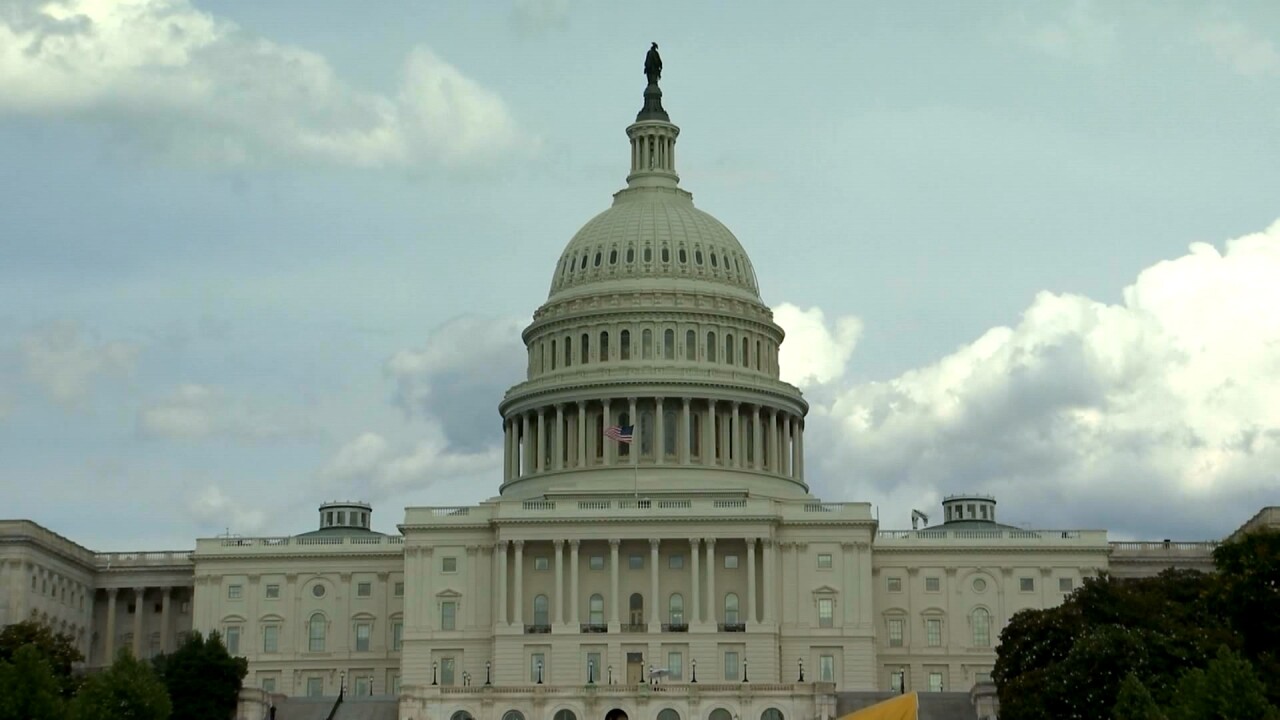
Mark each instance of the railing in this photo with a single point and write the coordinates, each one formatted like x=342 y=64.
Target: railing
x=594 y=505
x=675 y=627
x=594 y=628
x=635 y=504
x=143 y=559
x=245 y=543
x=728 y=504
x=672 y=504
x=1147 y=547
x=539 y=505
x=733 y=627
x=635 y=628
x=596 y=508
x=450 y=511
x=537 y=629
x=1038 y=536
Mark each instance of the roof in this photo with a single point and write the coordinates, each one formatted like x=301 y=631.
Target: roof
x=339 y=531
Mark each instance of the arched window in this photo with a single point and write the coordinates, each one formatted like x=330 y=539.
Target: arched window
x=631 y=255
x=597 y=261
x=697 y=256
x=595 y=609
x=646 y=434
x=690 y=346
x=613 y=257
x=719 y=714
x=711 y=346
x=669 y=433
x=513 y=715
x=745 y=346
x=731 y=609
x=564 y=715
x=315 y=633
x=684 y=257
x=636 y=605
x=675 y=609
x=604 y=346
x=772 y=714
x=757 y=354
x=669 y=344
x=461 y=715
x=624 y=345
x=584 y=347
x=713 y=260
x=695 y=434
x=540 y=610
x=553 y=354
x=981 y=628
x=728 y=349
x=568 y=351
x=666 y=255
x=668 y=714
x=646 y=344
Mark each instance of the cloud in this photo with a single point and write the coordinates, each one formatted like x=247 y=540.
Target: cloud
x=201 y=88
x=211 y=507
x=459 y=376
x=540 y=16
x=198 y=412
x=376 y=467
x=1076 y=33
x=1156 y=415
x=1247 y=52
x=64 y=360
x=813 y=351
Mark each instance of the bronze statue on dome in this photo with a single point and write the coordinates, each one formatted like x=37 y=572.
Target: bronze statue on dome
x=653 y=65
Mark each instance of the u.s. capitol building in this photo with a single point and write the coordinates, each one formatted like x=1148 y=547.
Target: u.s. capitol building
x=686 y=574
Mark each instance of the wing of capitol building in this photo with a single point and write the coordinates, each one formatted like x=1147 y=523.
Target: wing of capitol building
x=653 y=550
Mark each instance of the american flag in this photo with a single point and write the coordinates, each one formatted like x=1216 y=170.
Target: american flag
x=621 y=433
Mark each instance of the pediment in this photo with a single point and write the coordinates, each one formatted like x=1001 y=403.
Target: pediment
x=449 y=594
x=825 y=590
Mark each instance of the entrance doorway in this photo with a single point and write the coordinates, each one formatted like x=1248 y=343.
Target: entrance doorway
x=635 y=668
x=616 y=714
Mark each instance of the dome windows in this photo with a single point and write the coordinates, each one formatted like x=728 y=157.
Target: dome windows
x=728 y=349
x=613 y=257
x=684 y=257
x=646 y=344
x=648 y=254
x=631 y=255
x=713 y=260
x=711 y=347
x=604 y=346
x=584 y=262
x=697 y=256
x=666 y=255
x=584 y=347
x=690 y=346
x=669 y=344
x=599 y=255
x=624 y=345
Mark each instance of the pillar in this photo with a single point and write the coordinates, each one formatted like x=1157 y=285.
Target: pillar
x=799 y=449
x=756 y=438
x=751 y=580
x=607 y=420
x=109 y=647
x=709 y=435
x=165 y=599
x=501 y=550
x=561 y=445
x=695 y=609
x=517 y=606
x=526 y=437
x=540 y=454
x=582 y=434
x=735 y=442
x=558 y=545
x=766 y=597
x=793 y=429
x=139 y=607
x=573 y=583
x=506 y=451
x=774 y=464
x=682 y=436
x=613 y=583
x=711 y=581
x=659 y=433
x=654 y=618
x=634 y=451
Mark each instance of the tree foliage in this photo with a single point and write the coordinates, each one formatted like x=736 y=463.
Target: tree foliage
x=128 y=690
x=203 y=679
x=28 y=687
x=1228 y=689
x=1249 y=598
x=58 y=650
x=1135 y=702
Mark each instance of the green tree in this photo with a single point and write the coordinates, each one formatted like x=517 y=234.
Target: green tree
x=128 y=690
x=28 y=687
x=1228 y=689
x=203 y=679
x=1249 y=598
x=58 y=650
x=1135 y=702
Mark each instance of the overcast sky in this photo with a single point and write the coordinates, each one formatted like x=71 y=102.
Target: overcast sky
x=256 y=255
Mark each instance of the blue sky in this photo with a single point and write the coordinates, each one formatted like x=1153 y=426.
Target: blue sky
x=258 y=255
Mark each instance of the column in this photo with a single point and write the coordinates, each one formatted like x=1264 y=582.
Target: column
x=425 y=612
x=682 y=436
x=654 y=618
x=793 y=426
x=659 y=433
x=607 y=420
x=774 y=464
x=517 y=606
x=751 y=580
x=709 y=435
x=562 y=447
x=711 y=581
x=613 y=582
x=139 y=607
x=506 y=451
x=109 y=648
x=573 y=583
x=558 y=545
x=849 y=567
x=501 y=550
x=766 y=597
x=526 y=467
x=800 y=449
x=735 y=435
x=634 y=452
x=756 y=438
x=165 y=592
x=695 y=609
x=540 y=454
x=582 y=434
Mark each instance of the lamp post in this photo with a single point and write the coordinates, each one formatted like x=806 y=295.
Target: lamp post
x=902 y=681
x=539 y=672
x=591 y=672
x=466 y=678
x=434 y=664
x=487 y=667
x=342 y=683
x=744 y=670
x=652 y=679
x=610 y=674
x=801 y=661
x=694 y=663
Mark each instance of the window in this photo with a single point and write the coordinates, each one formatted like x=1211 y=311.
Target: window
x=541 y=563
x=745 y=347
x=669 y=344
x=728 y=349
x=635 y=604
x=362 y=637
x=646 y=345
x=568 y=351
x=730 y=665
x=675 y=609
x=684 y=256
x=399 y=589
x=824 y=561
x=933 y=631
x=540 y=610
x=675 y=562
x=895 y=632
x=604 y=346
x=271 y=638
x=668 y=714
x=932 y=584
x=979 y=585
x=395 y=684
x=731 y=562
x=593 y=667
x=595 y=609
x=232 y=637
x=449 y=564
x=771 y=713
x=564 y=715
x=636 y=562
x=446 y=671
x=827 y=668
x=1065 y=585
x=935 y=682
x=584 y=348
x=234 y=592
x=317 y=590
x=825 y=612
x=268 y=685
x=397 y=636
x=448 y=615
x=624 y=345
x=595 y=562
x=273 y=592
x=711 y=347
x=315 y=686
x=982 y=676
x=315 y=633
x=364 y=686
x=1027 y=584
x=895 y=584
x=731 y=609
x=537 y=666
x=364 y=589
x=675 y=665
x=981 y=621
x=690 y=346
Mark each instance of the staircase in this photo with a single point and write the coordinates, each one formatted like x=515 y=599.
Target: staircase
x=933 y=705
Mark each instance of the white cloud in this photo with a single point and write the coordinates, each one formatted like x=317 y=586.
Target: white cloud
x=200 y=87
x=64 y=360
x=537 y=16
x=813 y=351
x=1159 y=412
x=377 y=467
x=1247 y=52
x=1077 y=33
x=196 y=412
x=211 y=507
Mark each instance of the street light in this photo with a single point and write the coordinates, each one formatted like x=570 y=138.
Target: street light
x=744 y=670
x=591 y=672
x=487 y=666
x=539 y=672
x=433 y=672
x=610 y=674
x=801 y=661
x=342 y=682
x=694 y=662
x=466 y=678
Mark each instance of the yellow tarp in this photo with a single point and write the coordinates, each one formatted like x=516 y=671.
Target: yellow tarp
x=903 y=707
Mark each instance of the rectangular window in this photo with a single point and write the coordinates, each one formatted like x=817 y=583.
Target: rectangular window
x=271 y=638
x=537 y=667
x=933 y=631
x=636 y=562
x=448 y=615
x=232 y=638
x=730 y=665
x=731 y=562
x=935 y=682
x=395 y=684
x=315 y=686
x=449 y=564
x=826 y=607
x=1066 y=585
x=399 y=589
x=362 y=637
x=675 y=665
x=364 y=686
x=269 y=684
x=932 y=584
x=827 y=668
x=596 y=562
x=273 y=592
x=895 y=584
x=982 y=676
x=824 y=561
x=895 y=633
x=397 y=636
x=593 y=667
x=1027 y=584
x=364 y=589
x=541 y=563
x=446 y=671
x=675 y=562
x=234 y=592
